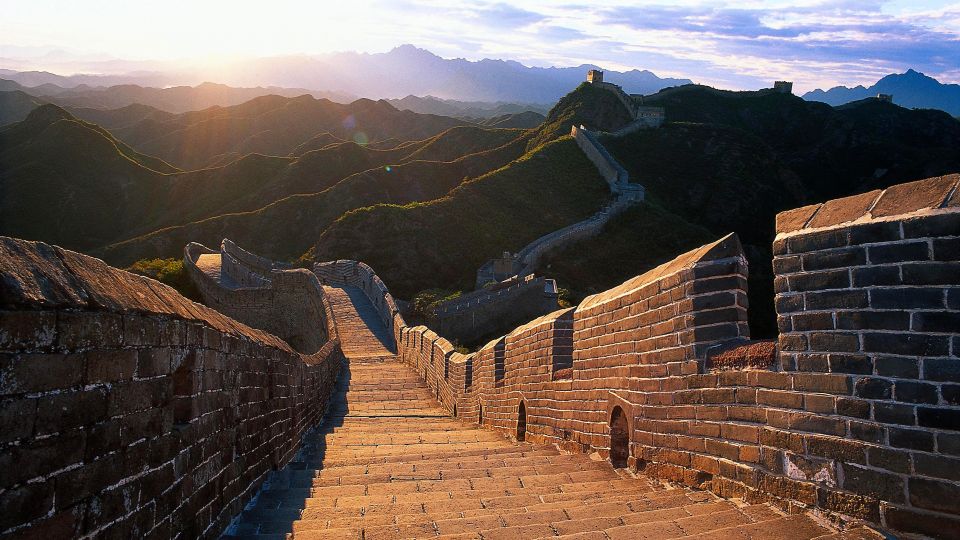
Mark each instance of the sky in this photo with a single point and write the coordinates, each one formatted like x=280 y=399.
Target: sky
x=738 y=45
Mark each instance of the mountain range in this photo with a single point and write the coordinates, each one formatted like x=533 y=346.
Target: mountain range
x=400 y=72
x=289 y=178
x=910 y=89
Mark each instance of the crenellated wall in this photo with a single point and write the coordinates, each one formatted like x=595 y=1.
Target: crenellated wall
x=476 y=314
x=132 y=412
x=853 y=413
x=288 y=303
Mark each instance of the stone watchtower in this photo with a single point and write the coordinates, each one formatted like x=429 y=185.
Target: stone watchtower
x=885 y=97
x=783 y=87
x=594 y=76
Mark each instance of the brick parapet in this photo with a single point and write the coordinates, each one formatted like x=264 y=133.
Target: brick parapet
x=868 y=295
x=289 y=303
x=866 y=434
x=128 y=410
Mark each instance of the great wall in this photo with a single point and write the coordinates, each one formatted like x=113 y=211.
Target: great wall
x=297 y=401
x=134 y=412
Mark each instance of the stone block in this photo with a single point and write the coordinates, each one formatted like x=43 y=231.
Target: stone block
x=27 y=331
x=884 y=486
x=913 y=439
x=912 y=344
x=913 y=196
x=25 y=373
x=932 y=226
x=935 y=495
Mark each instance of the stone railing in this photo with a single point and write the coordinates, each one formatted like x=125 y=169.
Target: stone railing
x=857 y=416
x=287 y=303
x=129 y=411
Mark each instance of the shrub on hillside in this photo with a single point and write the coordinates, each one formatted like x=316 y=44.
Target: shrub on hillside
x=169 y=272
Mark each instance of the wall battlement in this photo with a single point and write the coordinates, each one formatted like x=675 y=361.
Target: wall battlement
x=288 y=303
x=132 y=412
x=854 y=413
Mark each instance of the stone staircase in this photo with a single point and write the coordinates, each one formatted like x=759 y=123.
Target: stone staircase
x=389 y=463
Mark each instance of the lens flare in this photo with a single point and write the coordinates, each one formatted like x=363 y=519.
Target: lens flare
x=360 y=138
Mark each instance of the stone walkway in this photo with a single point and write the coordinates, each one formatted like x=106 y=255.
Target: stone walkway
x=389 y=463
x=209 y=264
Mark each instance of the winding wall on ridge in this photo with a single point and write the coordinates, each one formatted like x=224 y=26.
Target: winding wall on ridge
x=856 y=413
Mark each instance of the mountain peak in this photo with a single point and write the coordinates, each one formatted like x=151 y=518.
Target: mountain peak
x=47 y=113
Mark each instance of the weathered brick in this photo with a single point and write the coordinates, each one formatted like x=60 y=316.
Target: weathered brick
x=937 y=466
x=786 y=265
x=946 y=249
x=851 y=363
x=836 y=258
x=153 y=362
x=942 y=321
x=884 y=486
x=856 y=408
x=941 y=369
x=889 y=459
x=24 y=373
x=870 y=233
x=911 y=438
x=867 y=276
x=931 y=273
x=819 y=240
x=789 y=303
x=915 y=392
x=17 y=416
x=906 y=298
x=803 y=322
x=873 y=320
x=109 y=366
x=25 y=503
x=68 y=410
x=27 y=330
x=895 y=413
x=935 y=495
x=912 y=521
x=85 y=330
x=939 y=417
x=873 y=388
x=899 y=252
x=906 y=344
x=834 y=342
x=932 y=226
x=893 y=366
x=838 y=299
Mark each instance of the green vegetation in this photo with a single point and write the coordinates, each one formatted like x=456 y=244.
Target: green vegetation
x=631 y=243
x=593 y=107
x=441 y=243
x=424 y=301
x=169 y=272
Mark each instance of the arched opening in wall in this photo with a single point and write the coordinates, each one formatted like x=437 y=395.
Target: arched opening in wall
x=522 y=422
x=619 y=438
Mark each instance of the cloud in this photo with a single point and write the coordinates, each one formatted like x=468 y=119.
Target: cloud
x=504 y=16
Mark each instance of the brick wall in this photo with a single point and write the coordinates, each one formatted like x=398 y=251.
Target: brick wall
x=853 y=413
x=868 y=302
x=289 y=303
x=131 y=412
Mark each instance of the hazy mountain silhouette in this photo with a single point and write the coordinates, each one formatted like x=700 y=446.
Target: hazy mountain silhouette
x=403 y=71
x=911 y=89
